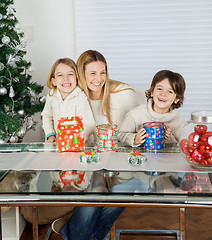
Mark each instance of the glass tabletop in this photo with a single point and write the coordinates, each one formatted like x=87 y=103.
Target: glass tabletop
x=104 y=183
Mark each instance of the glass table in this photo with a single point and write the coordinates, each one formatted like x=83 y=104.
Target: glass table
x=30 y=175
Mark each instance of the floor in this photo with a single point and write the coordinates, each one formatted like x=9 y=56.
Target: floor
x=198 y=224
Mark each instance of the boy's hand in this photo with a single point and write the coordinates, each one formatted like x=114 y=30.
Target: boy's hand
x=140 y=137
x=167 y=132
x=51 y=139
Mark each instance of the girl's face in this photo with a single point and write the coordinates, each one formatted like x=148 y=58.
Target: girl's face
x=163 y=96
x=95 y=76
x=65 y=79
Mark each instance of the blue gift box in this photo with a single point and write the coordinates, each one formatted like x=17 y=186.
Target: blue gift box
x=155 y=139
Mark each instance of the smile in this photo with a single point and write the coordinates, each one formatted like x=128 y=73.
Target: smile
x=162 y=100
x=96 y=83
x=66 y=84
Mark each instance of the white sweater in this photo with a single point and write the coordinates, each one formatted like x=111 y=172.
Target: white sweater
x=144 y=113
x=76 y=104
x=121 y=103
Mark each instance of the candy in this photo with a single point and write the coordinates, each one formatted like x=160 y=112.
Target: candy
x=137 y=158
x=89 y=157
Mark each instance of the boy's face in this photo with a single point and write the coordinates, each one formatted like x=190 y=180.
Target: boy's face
x=64 y=80
x=163 y=96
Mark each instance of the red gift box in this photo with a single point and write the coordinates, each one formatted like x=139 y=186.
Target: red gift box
x=72 y=177
x=70 y=134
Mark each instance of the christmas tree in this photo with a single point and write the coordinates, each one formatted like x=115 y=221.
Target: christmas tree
x=19 y=99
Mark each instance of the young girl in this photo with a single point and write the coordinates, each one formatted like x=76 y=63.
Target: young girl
x=65 y=99
x=165 y=95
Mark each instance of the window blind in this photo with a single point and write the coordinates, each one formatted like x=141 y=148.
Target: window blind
x=140 y=37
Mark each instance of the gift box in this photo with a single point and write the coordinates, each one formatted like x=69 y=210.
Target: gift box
x=71 y=177
x=70 y=134
x=155 y=136
x=107 y=137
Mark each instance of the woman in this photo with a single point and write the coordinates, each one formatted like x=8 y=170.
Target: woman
x=110 y=100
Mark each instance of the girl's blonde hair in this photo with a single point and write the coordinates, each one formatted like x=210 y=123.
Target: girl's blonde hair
x=109 y=87
x=67 y=61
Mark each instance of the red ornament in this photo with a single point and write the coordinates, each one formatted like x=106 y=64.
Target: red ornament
x=208 y=158
x=184 y=144
x=189 y=158
x=197 y=156
x=195 y=137
x=205 y=147
x=200 y=129
x=194 y=145
x=207 y=137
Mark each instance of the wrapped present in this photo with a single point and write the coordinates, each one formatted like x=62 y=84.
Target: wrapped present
x=107 y=137
x=137 y=158
x=71 y=177
x=89 y=157
x=155 y=136
x=70 y=134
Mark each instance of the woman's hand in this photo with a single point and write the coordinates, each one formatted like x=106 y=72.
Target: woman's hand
x=140 y=137
x=51 y=139
x=167 y=132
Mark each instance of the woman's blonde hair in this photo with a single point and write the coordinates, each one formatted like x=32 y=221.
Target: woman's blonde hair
x=109 y=87
x=67 y=61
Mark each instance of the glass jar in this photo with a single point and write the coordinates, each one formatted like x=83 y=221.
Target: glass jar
x=196 y=140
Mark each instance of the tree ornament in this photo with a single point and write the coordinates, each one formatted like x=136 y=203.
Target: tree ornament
x=1 y=16
x=17 y=26
x=3 y=91
x=5 y=39
x=31 y=124
x=11 y=93
x=1 y=66
x=21 y=133
x=14 y=139
x=42 y=99
x=21 y=113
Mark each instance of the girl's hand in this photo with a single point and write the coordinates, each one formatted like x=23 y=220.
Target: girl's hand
x=51 y=139
x=140 y=137
x=167 y=132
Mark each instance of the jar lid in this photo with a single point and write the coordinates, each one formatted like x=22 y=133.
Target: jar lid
x=202 y=116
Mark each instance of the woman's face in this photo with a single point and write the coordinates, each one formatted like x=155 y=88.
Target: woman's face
x=95 y=76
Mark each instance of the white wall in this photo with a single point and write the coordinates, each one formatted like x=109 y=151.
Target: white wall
x=49 y=29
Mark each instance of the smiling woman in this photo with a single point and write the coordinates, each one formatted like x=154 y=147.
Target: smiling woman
x=110 y=99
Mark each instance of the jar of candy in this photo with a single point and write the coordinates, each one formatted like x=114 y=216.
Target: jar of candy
x=196 y=140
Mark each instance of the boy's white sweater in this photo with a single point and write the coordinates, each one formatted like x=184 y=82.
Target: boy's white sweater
x=144 y=113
